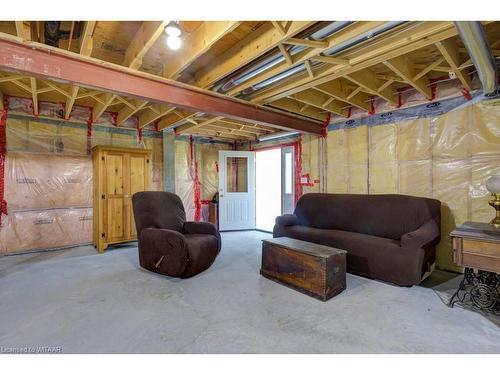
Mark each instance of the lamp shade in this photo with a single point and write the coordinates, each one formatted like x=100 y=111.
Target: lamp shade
x=493 y=184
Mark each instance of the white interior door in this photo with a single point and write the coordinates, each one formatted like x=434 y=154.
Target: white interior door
x=287 y=180
x=236 y=190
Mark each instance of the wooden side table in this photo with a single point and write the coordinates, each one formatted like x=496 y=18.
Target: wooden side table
x=476 y=246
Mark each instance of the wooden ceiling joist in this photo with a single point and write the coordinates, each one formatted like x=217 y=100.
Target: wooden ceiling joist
x=70 y=101
x=280 y=27
x=99 y=108
x=22 y=85
x=87 y=39
x=331 y=60
x=248 y=49
x=126 y=112
x=307 y=43
x=34 y=96
x=404 y=67
x=217 y=135
x=417 y=36
x=285 y=54
x=155 y=112
x=291 y=105
x=428 y=69
x=340 y=92
x=343 y=35
x=53 y=63
x=252 y=129
x=175 y=117
x=309 y=68
x=318 y=99
x=10 y=78
x=369 y=82
x=146 y=36
x=449 y=50
x=224 y=130
x=196 y=44
x=23 y=30
x=195 y=125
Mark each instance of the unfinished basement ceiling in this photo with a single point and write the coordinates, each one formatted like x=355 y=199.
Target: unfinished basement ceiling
x=309 y=69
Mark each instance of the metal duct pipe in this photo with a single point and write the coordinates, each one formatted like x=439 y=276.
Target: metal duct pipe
x=474 y=38
x=276 y=135
x=362 y=37
x=330 y=52
x=277 y=58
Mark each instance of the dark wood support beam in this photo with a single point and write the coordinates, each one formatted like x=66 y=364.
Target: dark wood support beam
x=37 y=60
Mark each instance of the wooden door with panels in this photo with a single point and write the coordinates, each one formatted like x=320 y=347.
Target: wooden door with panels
x=118 y=174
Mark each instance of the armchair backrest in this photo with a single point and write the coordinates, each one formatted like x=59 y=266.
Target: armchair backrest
x=158 y=209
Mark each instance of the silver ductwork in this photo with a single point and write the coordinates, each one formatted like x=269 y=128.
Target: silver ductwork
x=277 y=58
x=332 y=51
x=476 y=43
x=276 y=135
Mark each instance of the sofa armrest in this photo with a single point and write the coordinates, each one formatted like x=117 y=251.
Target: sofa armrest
x=287 y=220
x=202 y=227
x=427 y=233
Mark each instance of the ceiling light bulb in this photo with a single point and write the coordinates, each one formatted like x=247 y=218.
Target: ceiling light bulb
x=173 y=29
x=174 y=42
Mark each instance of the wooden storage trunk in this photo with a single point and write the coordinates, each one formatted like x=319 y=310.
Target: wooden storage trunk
x=313 y=269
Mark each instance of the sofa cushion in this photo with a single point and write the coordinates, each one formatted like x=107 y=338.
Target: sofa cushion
x=384 y=215
x=367 y=255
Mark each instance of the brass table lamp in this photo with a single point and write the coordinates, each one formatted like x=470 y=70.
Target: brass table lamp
x=493 y=186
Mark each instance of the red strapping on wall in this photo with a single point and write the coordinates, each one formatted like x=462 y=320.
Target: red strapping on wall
x=400 y=99
x=324 y=125
x=196 y=180
x=372 y=106
x=466 y=94
x=90 y=122
x=434 y=82
x=114 y=118
x=139 y=133
x=3 y=153
x=349 y=113
x=297 y=148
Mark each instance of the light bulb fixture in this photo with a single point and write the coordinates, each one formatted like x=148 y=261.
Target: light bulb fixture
x=174 y=42
x=173 y=29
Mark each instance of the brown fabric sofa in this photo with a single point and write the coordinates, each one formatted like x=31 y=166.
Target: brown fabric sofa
x=168 y=244
x=388 y=237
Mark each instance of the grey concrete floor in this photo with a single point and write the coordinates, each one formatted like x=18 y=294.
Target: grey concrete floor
x=86 y=302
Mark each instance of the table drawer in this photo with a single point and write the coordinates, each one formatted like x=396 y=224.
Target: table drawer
x=483 y=248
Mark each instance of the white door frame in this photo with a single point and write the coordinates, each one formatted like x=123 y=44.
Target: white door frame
x=236 y=209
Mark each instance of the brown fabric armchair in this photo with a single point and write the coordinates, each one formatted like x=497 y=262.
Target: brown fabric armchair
x=168 y=244
x=388 y=237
